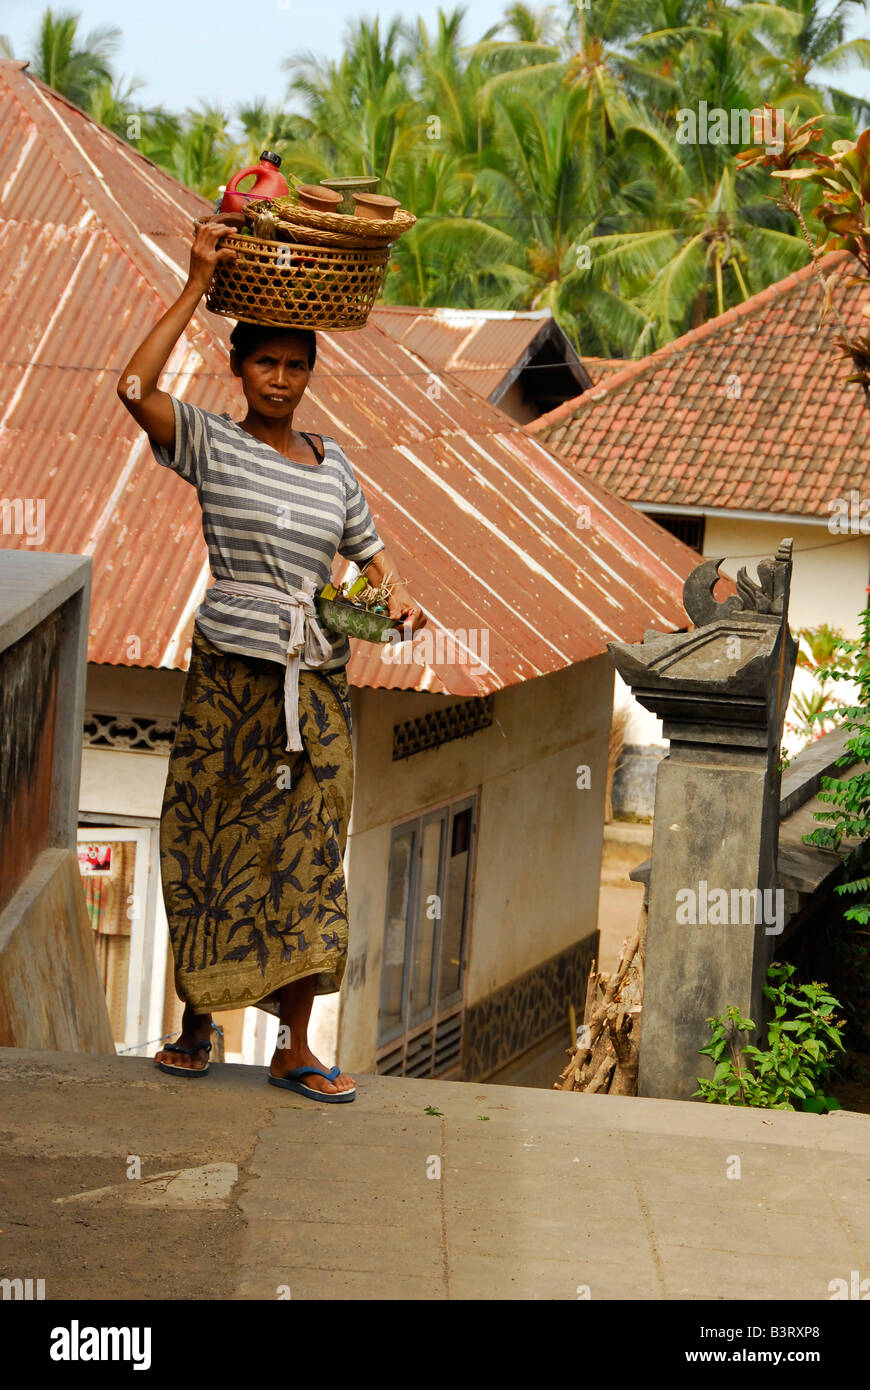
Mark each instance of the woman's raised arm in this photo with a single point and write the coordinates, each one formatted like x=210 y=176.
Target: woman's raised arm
x=137 y=384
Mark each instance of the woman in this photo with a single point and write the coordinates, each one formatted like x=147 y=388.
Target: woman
x=258 y=795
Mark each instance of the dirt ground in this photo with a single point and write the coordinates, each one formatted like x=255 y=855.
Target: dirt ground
x=108 y=1247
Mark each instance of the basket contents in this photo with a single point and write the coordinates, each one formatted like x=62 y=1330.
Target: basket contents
x=299 y=267
x=359 y=183
x=375 y=599
x=268 y=183
x=263 y=225
x=320 y=199
x=358 y=610
x=375 y=205
x=295 y=218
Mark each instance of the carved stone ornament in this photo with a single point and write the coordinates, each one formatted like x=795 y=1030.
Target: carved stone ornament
x=734 y=668
x=769 y=598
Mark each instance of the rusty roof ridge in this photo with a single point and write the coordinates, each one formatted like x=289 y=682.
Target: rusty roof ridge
x=525 y=555
x=486 y=315
x=124 y=145
x=603 y=498
x=19 y=64
x=432 y=310
x=38 y=106
x=454 y=375
x=756 y=304
x=123 y=231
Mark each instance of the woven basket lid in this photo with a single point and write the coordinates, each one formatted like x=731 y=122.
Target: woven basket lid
x=374 y=228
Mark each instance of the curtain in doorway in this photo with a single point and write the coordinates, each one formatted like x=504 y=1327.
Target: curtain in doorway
x=108 y=870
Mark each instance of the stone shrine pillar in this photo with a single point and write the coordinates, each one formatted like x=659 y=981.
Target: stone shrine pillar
x=715 y=914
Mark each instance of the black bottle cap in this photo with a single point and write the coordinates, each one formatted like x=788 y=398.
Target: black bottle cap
x=272 y=158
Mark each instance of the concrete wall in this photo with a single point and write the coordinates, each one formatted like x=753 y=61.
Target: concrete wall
x=50 y=990
x=134 y=690
x=538 y=852
x=28 y=709
x=116 y=782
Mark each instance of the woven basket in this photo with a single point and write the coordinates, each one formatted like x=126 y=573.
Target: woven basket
x=380 y=229
x=286 y=285
x=313 y=236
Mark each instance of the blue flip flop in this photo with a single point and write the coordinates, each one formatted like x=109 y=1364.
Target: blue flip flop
x=291 y=1082
x=188 y=1052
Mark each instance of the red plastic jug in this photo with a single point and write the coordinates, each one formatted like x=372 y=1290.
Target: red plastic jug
x=269 y=184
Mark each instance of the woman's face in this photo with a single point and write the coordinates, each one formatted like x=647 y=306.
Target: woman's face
x=274 y=376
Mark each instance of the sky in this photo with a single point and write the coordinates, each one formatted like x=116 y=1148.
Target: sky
x=227 y=51
x=230 y=51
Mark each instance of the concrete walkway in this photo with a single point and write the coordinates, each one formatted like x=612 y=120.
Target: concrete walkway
x=243 y=1191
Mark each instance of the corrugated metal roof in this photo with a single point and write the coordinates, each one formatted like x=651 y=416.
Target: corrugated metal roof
x=492 y=529
x=479 y=347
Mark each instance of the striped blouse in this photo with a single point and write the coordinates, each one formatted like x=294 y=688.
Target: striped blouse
x=266 y=520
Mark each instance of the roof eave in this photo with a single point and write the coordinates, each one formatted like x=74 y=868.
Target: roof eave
x=550 y=332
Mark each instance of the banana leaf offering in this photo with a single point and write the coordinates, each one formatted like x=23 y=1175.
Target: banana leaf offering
x=357 y=610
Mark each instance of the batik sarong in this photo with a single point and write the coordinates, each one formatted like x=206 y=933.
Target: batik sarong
x=252 y=837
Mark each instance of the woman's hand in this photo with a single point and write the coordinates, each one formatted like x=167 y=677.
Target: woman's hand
x=205 y=254
x=137 y=387
x=402 y=605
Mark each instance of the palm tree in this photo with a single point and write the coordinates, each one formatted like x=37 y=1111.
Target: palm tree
x=799 y=42
x=114 y=105
x=707 y=247
x=547 y=124
x=698 y=235
x=448 y=84
x=361 y=116
x=264 y=128
x=203 y=154
x=162 y=131
x=509 y=144
x=82 y=72
x=75 y=70
x=541 y=159
x=448 y=253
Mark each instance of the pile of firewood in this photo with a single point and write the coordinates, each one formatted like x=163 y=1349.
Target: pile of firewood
x=605 y=1058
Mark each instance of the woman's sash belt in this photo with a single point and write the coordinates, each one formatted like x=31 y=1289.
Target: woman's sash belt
x=307 y=639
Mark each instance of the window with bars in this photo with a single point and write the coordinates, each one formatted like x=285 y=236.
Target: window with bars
x=425 y=942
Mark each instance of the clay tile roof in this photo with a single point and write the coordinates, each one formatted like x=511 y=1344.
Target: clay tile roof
x=748 y=411
x=602 y=368
x=488 y=524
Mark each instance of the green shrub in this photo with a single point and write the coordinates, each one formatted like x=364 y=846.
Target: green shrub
x=803 y=1038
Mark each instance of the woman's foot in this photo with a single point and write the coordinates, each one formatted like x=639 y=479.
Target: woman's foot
x=195 y=1028
x=286 y=1059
